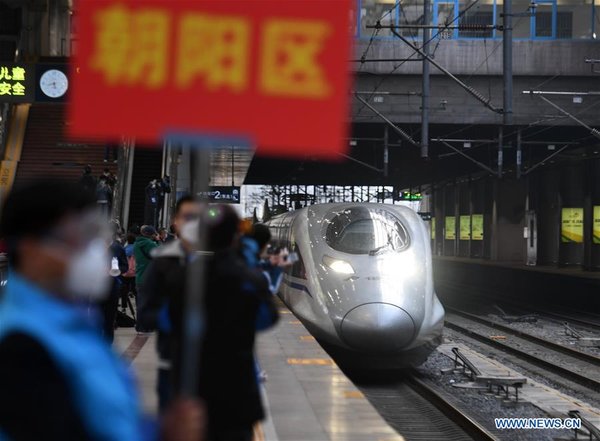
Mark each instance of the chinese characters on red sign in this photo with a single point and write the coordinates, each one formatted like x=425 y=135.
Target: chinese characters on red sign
x=273 y=71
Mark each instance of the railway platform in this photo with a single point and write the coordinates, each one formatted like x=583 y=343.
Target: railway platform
x=461 y=277
x=306 y=396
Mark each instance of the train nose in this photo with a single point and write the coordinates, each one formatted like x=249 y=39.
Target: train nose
x=377 y=327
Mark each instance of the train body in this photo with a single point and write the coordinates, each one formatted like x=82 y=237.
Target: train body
x=363 y=283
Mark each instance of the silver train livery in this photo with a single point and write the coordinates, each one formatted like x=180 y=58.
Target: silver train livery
x=363 y=283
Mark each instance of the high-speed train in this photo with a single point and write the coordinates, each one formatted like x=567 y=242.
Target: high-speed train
x=363 y=283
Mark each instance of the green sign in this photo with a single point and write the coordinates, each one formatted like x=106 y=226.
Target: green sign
x=408 y=196
x=477 y=227
x=16 y=83
x=433 y=228
x=450 y=228
x=465 y=227
x=571 y=225
x=596 y=225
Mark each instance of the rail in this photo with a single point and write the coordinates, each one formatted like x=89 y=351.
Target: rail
x=584 y=356
x=593 y=430
x=591 y=382
x=463 y=420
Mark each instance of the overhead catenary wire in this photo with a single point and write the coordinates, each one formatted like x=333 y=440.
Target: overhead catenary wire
x=375 y=33
x=384 y=78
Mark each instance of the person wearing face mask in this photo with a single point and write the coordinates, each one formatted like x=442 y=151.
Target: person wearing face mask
x=164 y=281
x=60 y=379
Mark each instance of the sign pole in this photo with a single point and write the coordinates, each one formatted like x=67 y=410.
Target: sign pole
x=195 y=284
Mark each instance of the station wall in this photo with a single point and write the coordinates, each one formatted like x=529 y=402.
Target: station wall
x=496 y=219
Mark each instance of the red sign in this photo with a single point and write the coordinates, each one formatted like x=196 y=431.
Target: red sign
x=273 y=71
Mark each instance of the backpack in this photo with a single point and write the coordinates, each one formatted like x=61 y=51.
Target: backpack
x=131 y=271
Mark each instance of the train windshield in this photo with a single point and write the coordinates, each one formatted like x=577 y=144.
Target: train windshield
x=362 y=231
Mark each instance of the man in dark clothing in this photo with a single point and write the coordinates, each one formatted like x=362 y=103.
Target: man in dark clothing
x=87 y=180
x=165 y=280
x=155 y=197
x=227 y=381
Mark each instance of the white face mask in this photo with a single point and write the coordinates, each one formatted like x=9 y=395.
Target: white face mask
x=189 y=232
x=87 y=272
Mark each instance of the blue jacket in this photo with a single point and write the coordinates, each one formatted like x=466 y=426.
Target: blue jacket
x=99 y=381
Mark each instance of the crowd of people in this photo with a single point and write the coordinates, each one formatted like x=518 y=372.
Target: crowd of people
x=69 y=268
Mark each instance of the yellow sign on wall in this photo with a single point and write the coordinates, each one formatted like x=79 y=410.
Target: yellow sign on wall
x=433 y=228
x=465 y=227
x=450 y=226
x=571 y=225
x=596 y=226
x=477 y=227
x=16 y=83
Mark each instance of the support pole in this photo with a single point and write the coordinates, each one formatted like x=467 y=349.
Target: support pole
x=425 y=91
x=507 y=61
x=385 y=151
x=500 y=151
x=519 y=154
x=195 y=286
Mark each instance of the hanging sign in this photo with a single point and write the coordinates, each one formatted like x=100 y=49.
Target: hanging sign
x=572 y=225
x=17 y=83
x=408 y=196
x=450 y=226
x=596 y=226
x=222 y=194
x=465 y=227
x=477 y=227
x=273 y=72
x=433 y=228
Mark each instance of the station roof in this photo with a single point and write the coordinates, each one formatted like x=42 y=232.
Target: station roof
x=407 y=168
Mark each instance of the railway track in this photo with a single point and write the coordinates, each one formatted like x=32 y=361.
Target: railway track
x=418 y=411
x=589 y=321
x=580 y=367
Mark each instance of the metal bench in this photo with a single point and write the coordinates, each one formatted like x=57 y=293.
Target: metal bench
x=466 y=363
x=502 y=384
x=593 y=430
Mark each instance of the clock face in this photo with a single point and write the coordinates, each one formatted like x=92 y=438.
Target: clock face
x=54 y=83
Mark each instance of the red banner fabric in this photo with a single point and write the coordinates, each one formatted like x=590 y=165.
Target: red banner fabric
x=272 y=71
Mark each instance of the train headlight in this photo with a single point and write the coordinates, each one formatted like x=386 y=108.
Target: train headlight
x=339 y=266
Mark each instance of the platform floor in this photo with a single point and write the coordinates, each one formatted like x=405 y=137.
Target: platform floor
x=306 y=396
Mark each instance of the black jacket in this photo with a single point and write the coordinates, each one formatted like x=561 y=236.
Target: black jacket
x=164 y=283
x=227 y=377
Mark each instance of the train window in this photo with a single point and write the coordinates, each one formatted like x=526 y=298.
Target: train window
x=298 y=269
x=363 y=231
